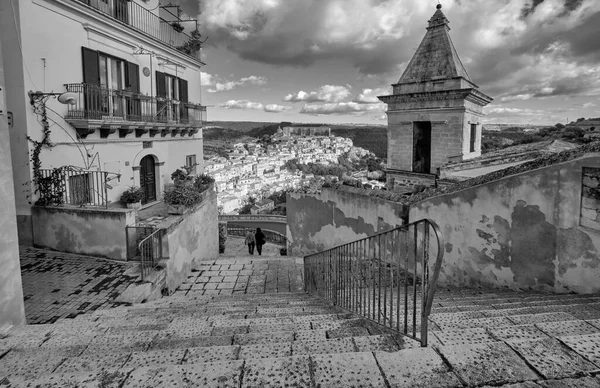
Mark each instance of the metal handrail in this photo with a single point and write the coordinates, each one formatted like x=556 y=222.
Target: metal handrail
x=150 y=249
x=383 y=277
x=252 y=217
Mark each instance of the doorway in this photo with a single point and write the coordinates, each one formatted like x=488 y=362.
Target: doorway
x=148 y=178
x=422 y=147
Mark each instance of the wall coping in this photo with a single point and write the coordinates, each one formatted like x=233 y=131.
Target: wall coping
x=583 y=152
x=73 y=208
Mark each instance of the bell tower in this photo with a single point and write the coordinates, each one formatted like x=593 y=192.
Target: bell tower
x=435 y=111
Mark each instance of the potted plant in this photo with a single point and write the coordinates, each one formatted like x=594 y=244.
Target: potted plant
x=132 y=197
x=177 y=27
x=203 y=182
x=181 y=198
x=193 y=45
x=182 y=176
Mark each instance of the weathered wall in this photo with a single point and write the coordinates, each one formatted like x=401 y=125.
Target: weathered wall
x=521 y=231
x=12 y=311
x=191 y=238
x=95 y=232
x=322 y=221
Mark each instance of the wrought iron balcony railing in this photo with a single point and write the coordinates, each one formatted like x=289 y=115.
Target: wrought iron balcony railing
x=70 y=185
x=142 y=20
x=97 y=103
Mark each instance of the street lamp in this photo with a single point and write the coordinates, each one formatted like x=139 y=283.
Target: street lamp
x=68 y=98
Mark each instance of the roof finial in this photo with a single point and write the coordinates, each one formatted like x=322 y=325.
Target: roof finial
x=439 y=6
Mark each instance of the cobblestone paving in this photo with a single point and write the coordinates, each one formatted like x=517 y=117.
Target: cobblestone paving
x=60 y=285
x=245 y=275
x=235 y=246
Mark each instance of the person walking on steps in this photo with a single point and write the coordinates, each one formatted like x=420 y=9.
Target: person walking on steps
x=260 y=240
x=250 y=241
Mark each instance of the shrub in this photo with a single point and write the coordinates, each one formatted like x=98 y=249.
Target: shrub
x=132 y=195
x=182 y=195
x=203 y=181
x=179 y=174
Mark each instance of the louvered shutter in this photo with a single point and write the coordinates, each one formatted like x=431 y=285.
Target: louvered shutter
x=161 y=90
x=183 y=90
x=133 y=77
x=91 y=67
x=183 y=97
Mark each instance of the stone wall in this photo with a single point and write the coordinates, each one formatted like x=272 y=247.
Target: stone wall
x=520 y=231
x=321 y=221
x=87 y=231
x=590 y=198
x=191 y=238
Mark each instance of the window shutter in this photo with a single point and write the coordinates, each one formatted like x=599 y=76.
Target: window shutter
x=133 y=77
x=91 y=67
x=183 y=90
x=161 y=90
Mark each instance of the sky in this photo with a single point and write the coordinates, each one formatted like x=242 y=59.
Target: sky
x=326 y=61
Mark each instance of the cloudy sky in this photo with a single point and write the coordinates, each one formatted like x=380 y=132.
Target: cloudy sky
x=327 y=60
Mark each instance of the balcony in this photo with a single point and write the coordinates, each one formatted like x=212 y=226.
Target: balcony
x=108 y=110
x=142 y=20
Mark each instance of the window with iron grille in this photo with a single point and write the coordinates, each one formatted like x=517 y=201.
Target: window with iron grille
x=473 y=137
x=190 y=161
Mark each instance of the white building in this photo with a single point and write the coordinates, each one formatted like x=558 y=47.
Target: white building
x=134 y=83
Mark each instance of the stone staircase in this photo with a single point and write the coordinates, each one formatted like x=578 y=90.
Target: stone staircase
x=257 y=328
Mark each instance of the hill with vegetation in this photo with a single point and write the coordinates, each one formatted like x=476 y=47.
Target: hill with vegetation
x=219 y=134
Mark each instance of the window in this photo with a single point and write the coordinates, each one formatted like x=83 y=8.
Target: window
x=171 y=88
x=190 y=161
x=473 y=137
x=104 y=77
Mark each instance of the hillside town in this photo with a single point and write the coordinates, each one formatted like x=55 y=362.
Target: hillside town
x=256 y=169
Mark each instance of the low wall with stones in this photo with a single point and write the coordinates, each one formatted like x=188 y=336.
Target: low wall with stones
x=86 y=231
x=536 y=229
x=191 y=238
x=316 y=222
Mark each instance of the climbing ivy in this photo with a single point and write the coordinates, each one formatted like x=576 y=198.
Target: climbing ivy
x=51 y=188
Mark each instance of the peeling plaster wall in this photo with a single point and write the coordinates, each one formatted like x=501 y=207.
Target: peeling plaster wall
x=522 y=232
x=321 y=221
x=95 y=232
x=193 y=238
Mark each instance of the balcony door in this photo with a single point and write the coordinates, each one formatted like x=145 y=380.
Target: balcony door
x=112 y=80
x=148 y=178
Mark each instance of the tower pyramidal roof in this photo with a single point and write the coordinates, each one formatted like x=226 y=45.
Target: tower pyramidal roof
x=436 y=57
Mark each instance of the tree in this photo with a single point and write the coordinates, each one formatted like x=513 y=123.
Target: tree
x=573 y=133
x=251 y=201
x=560 y=126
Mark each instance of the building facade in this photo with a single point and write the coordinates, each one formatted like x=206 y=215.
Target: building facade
x=435 y=112
x=133 y=112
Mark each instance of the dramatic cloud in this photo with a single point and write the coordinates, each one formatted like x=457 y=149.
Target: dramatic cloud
x=505 y=45
x=242 y=104
x=369 y=96
x=206 y=79
x=224 y=86
x=274 y=108
x=342 y=108
x=249 y=105
x=326 y=93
